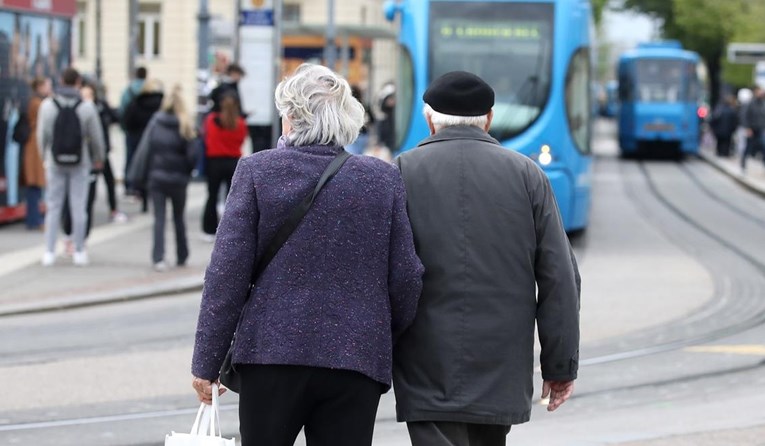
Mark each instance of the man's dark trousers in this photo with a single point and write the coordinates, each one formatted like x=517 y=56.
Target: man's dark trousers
x=447 y=433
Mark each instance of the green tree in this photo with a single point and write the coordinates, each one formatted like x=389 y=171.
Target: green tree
x=598 y=6
x=704 y=26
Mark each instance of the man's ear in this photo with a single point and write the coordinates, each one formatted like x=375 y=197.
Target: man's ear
x=489 y=118
x=430 y=124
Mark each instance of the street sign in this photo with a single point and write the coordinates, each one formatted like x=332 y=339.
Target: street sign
x=746 y=53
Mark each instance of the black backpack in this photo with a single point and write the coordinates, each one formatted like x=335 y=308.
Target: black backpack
x=67 y=135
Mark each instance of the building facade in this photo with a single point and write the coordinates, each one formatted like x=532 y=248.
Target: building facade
x=167 y=39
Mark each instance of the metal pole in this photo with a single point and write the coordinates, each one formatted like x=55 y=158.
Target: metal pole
x=133 y=45
x=203 y=36
x=99 y=66
x=330 y=49
x=276 y=122
x=237 y=21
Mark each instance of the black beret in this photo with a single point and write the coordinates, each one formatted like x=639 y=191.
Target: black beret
x=460 y=93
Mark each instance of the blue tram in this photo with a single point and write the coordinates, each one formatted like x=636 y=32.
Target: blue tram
x=660 y=91
x=535 y=54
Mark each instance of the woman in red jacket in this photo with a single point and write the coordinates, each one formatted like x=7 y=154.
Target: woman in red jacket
x=225 y=132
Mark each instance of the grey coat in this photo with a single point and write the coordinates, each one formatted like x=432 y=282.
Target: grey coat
x=488 y=231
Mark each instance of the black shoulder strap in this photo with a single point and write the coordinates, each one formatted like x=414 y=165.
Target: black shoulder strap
x=58 y=106
x=296 y=216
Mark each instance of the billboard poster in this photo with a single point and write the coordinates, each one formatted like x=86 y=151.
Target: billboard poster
x=256 y=55
x=31 y=45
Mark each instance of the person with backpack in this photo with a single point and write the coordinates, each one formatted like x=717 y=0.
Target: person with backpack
x=224 y=134
x=162 y=166
x=71 y=143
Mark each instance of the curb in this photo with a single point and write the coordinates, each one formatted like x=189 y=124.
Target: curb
x=738 y=178
x=169 y=288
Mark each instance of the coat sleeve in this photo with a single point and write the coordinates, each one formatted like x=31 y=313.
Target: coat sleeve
x=95 y=133
x=227 y=280
x=558 y=284
x=138 y=172
x=405 y=269
x=45 y=118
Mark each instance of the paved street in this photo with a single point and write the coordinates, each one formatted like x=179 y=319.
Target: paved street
x=673 y=323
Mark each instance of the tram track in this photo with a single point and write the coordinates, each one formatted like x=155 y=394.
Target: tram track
x=739 y=304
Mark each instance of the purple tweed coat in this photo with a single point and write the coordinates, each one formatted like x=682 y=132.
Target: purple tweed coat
x=342 y=288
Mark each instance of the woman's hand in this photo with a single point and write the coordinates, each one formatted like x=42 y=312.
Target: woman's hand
x=204 y=389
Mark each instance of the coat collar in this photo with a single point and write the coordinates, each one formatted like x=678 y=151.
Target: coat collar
x=317 y=149
x=459 y=132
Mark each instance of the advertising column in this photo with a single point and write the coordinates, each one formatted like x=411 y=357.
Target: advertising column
x=257 y=34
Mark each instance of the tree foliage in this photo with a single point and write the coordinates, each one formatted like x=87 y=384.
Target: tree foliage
x=598 y=6
x=706 y=26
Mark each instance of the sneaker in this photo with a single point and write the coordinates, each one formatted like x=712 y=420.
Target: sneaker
x=160 y=266
x=80 y=258
x=207 y=238
x=48 y=259
x=118 y=217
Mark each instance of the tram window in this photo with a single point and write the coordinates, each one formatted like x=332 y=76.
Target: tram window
x=404 y=96
x=578 y=108
x=507 y=44
x=660 y=81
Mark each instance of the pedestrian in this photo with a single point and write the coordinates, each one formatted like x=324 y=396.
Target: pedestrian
x=753 y=122
x=359 y=146
x=71 y=142
x=386 y=126
x=228 y=86
x=33 y=171
x=488 y=230
x=131 y=137
x=137 y=116
x=162 y=166
x=224 y=134
x=313 y=346
x=107 y=116
x=724 y=123
x=744 y=97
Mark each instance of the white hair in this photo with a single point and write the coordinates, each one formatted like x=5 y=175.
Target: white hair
x=441 y=120
x=319 y=107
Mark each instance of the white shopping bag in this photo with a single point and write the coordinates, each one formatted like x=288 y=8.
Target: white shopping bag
x=203 y=432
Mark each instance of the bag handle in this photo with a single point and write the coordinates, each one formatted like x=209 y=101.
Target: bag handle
x=208 y=417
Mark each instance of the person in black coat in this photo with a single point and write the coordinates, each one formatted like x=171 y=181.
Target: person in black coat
x=137 y=115
x=497 y=261
x=724 y=123
x=162 y=165
x=229 y=86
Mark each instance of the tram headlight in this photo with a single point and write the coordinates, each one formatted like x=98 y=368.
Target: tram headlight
x=545 y=157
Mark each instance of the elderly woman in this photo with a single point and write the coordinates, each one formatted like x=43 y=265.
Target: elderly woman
x=313 y=345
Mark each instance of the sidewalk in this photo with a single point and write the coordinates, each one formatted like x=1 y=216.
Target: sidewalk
x=754 y=177
x=121 y=267
x=120 y=263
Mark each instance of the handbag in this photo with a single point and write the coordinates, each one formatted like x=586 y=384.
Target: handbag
x=203 y=431
x=228 y=374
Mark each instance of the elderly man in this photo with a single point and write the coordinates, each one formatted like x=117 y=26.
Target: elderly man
x=497 y=260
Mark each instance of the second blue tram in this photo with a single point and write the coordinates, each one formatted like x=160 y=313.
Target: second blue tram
x=535 y=54
x=660 y=93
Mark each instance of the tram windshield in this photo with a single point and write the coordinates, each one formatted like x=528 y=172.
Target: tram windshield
x=661 y=80
x=509 y=45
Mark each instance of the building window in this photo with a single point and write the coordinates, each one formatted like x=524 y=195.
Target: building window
x=149 y=30
x=291 y=13
x=80 y=30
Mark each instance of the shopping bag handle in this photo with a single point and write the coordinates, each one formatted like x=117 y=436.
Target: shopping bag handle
x=208 y=416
